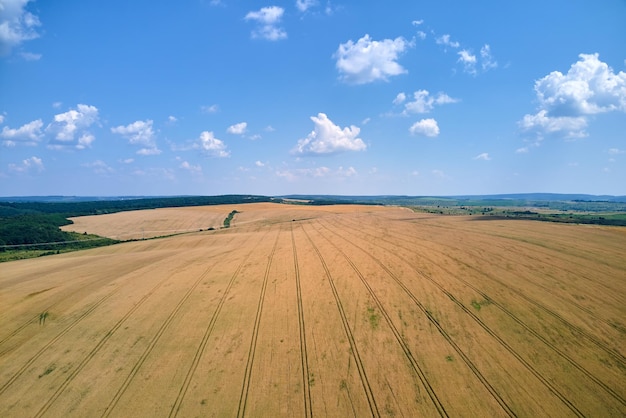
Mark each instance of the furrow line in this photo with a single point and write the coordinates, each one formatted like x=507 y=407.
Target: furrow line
x=308 y=410
x=97 y=348
x=609 y=350
x=503 y=343
x=200 y=350
x=441 y=330
x=67 y=329
x=353 y=347
x=405 y=348
x=151 y=346
x=243 y=399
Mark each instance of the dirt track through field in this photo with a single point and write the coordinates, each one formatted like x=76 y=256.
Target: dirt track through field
x=318 y=311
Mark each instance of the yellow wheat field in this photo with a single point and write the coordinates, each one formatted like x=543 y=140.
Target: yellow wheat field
x=333 y=311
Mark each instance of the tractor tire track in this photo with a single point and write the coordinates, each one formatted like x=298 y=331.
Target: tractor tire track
x=104 y=339
x=308 y=410
x=503 y=343
x=532 y=246
x=67 y=329
x=344 y=320
x=530 y=330
x=97 y=348
x=243 y=399
x=507 y=409
x=603 y=346
x=405 y=348
x=151 y=346
x=205 y=338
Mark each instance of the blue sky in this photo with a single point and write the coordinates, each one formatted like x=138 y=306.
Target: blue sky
x=344 y=97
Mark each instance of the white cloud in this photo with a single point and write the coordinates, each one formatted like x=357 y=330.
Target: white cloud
x=328 y=138
x=57 y=105
x=445 y=40
x=212 y=146
x=238 y=128
x=421 y=34
x=400 y=98
x=615 y=151
x=29 y=56
x=486 y=59
x=195 y=169
x=522 y=150
x=317 y=172
x=73 y=124
x=17 y=25
x=2 y=116
x=484 y=156
x=304 y=5
x=28 y=165
x=209 y=109
x=172 y=119
x=367 y=60
x=268 y=19
x=99 y=167
x=259 y=164
x=139 y=133
x=567 y=101
x=417 y=22
x=423 y=102
x=468 y=60
x=425 y=127
x=541 y=123
x=28 y=134
x=589 y=87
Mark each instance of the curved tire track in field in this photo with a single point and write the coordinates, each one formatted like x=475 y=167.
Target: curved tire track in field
x=67 y=329
x=507 y=409
x=405 y=348
x=609 y=350
x=494 y=335
x=346 y=327
x=308 y=409
x=200 y=350
x=243 y=399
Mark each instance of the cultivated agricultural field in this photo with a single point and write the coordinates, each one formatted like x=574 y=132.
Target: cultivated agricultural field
x=319 y=311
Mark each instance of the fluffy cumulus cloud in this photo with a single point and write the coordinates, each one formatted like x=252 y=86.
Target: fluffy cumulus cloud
x=425 y=127
x=423 y=101
x=28 y=134
x=268 y=21
x=28 y=165
x=366 y=60
x=17 y=25
x=238 y=128
x=212 y=146
x=69 y=130
x=328 y=138
x=139 y=133
x=566 y=101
